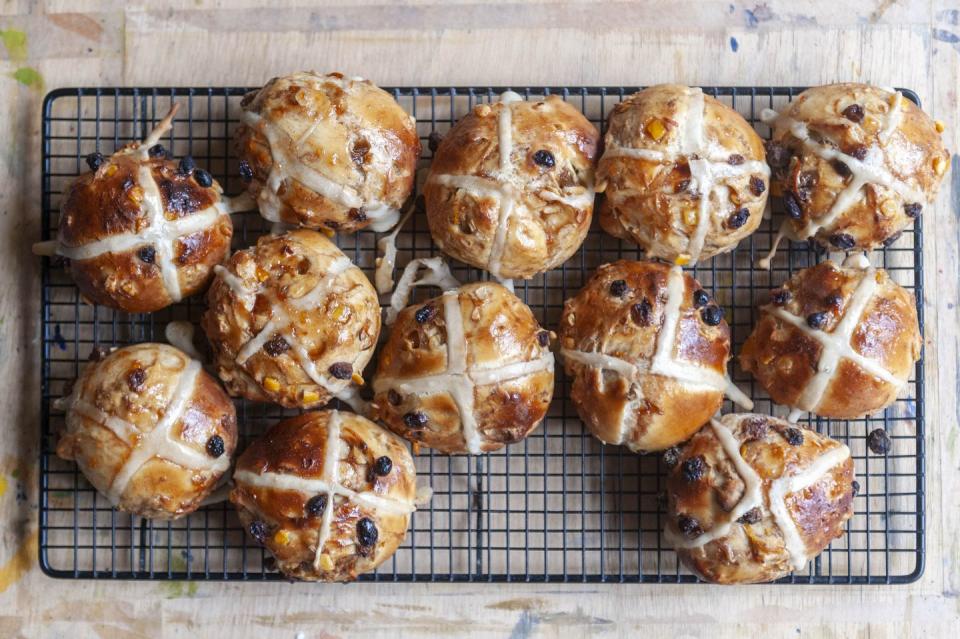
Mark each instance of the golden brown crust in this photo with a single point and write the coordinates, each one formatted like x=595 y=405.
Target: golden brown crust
x=645 y=411
x=655 y=201
x=109 y=202
x=292 y=528
x=350 y=132
x=334 y=330
x=741 y=539
x=781 y=357
x=784 y=357
x=499 y=331
x=97 y=204
x=853 y=118
x=552 y=199
x=134 y=388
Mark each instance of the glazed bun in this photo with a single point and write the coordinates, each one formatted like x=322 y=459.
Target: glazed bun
x=291 y=321
x=683 y=174
x=466 y=372
x=511 y=186
x=837 y=341
x=751 y=498
x=140 y=231
x=150 y=430
x=329 y=494
x=855 y=164
x=647 y=353
x=327 y=152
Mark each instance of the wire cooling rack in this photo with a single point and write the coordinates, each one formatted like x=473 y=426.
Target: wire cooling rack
x=557 y=507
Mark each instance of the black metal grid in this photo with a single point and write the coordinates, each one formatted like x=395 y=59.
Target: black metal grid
x=559 y=506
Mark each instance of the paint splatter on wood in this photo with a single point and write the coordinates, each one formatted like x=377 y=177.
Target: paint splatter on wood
x=880 y=10
x=15 y=42
x=29 y=77
x=948 y=37
x=21 y=561
x=78 y=23
x=759 y=13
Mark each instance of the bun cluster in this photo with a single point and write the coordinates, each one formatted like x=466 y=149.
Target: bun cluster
x=511 y=190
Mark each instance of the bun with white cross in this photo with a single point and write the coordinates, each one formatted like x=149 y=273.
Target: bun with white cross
x=683 y=175
x=329 y=494
x=292 y=321
x=646 y=350
x=752 y=498
x=837 y=341
x=854 y=164
x=511 y=186
x=327 y=152
x=141 y=231
x=149 y=429
x=467 y=372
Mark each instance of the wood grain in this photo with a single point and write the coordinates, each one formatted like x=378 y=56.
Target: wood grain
x=908 y=43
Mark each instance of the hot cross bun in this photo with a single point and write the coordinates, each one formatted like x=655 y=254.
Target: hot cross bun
x=466 y=372
x=330 y=494
x=150 y=430
x=511 y=186
x=751 y=498
x=292 y=320
x=683 y=175
x=141 y=231
x=838 y=341
x=647 y=350
x=327 y=152
x=854 y=164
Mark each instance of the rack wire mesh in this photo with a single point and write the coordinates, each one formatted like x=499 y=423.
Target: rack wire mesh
x=557 y=507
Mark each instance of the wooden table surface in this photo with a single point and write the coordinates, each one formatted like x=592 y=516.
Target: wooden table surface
x=54 y=43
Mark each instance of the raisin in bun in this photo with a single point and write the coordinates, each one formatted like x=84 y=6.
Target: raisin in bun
x=291 y=321
x=751 y=498
x=325 y=151
x=838 y=341
x=329 y=494
x=511 y=186
x=855 y=164
x=150 y=430
x=140 y=231
x=466 y=372
x=647 y=353
x=683 y=175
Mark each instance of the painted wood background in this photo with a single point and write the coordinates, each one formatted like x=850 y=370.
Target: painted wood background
x=53 y=43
